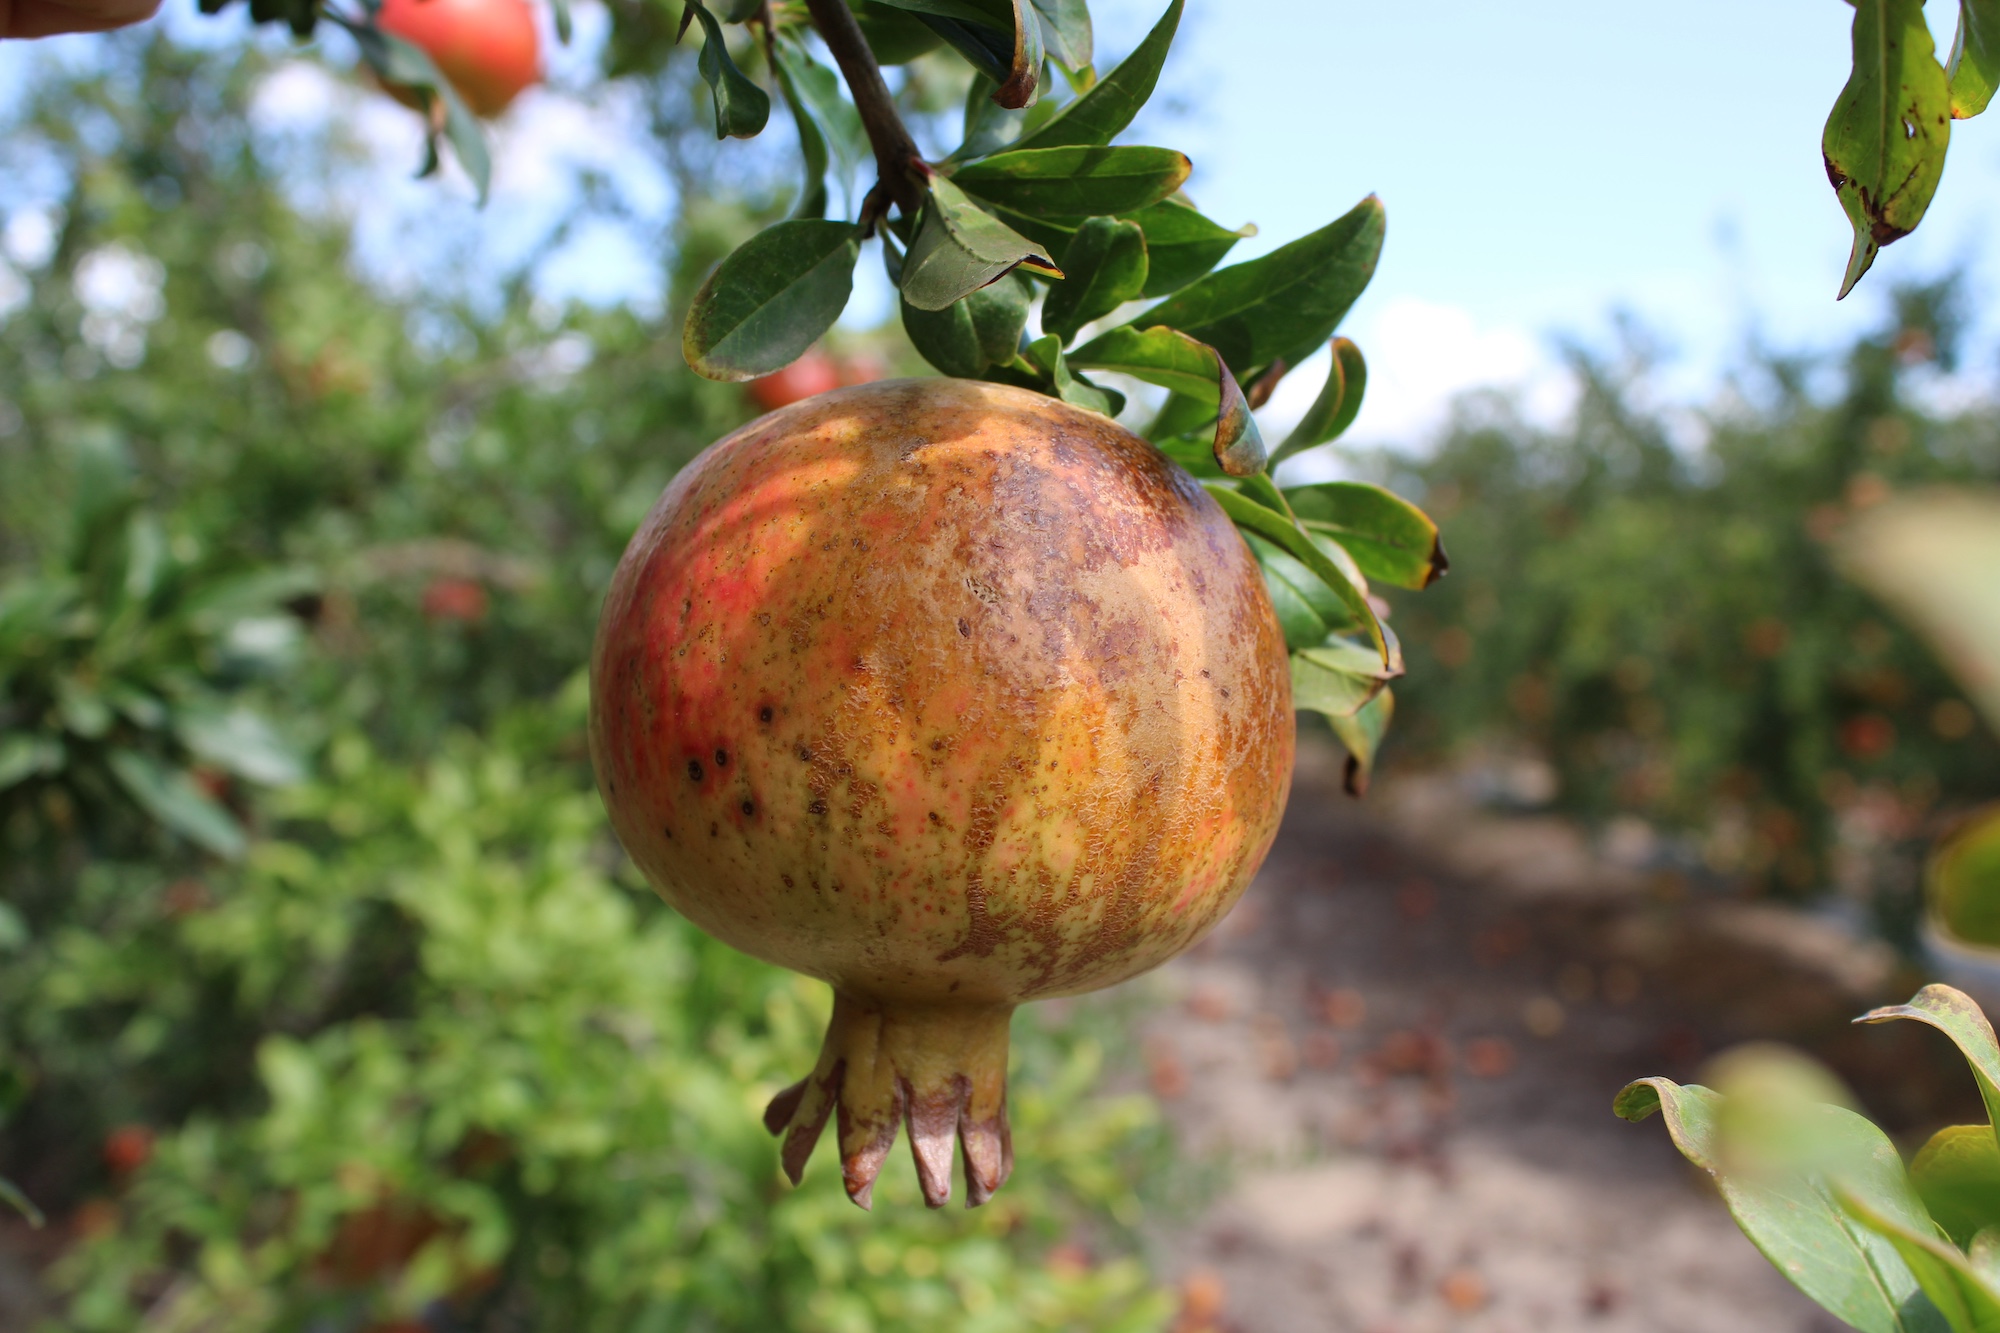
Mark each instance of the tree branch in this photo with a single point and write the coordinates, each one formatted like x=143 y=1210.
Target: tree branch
x=895 y=150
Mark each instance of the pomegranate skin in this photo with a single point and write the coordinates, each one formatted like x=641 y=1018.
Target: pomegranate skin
x=954 y=696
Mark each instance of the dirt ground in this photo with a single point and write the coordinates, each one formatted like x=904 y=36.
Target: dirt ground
x=1406 y=1042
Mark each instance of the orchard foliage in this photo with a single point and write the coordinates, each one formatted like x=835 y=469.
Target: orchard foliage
x=422 y=1047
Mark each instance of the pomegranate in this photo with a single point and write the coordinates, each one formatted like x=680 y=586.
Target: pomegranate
x=487 y=48
x=954 y=696
x=814 y=373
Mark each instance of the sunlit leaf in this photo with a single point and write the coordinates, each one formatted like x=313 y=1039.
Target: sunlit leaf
x=1361 y=733
x=1794 y=1219
x=1294 y=541
x=1046 y=355
x=771 y=299
x=1338 y=403
x=1885 y=142
x=240 y=741
x=1181 y=245
x=403 y=64
x=1192 y=371
x=1389 y=538
x=959 y=248
x=1074 y=181
x=1096 y=117
x=1957 y=1175
x=1953 y=1013
x=1283 y=305
x=23 y=756
x=1066 y=34
x=829 y=128
x=1958 y=1291
x=1974 y=67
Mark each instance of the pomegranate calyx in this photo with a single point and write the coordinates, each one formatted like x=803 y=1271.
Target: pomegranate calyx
x=941 y=1070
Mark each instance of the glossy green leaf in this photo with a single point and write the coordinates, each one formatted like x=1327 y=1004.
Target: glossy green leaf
x=771 y=299
x=1955 y=1288
x=240 y=741
x=1045 y=354
x=741 y=108
x=1283 y=305
x=1074 y=181
x=1974 y=67
x=1066 y=32
x=996 y=14
x=1957 y=1175
x=1338 y=403
x=1192 y=371
x=173 y=798
x=1295 y=542
x=1308 y=610
x=1953 y=1013
x=1001 y=39
x=1361 y=733
x=1793 y=1217
x=403 y=64
x=1105 y=264
x=960 y=247
x=1885 y=142
x=1389 y=538
x=1182 y=245
x=1340 y=676
x=1097 y=116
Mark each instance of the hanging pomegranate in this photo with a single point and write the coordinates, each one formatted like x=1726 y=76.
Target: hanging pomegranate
x=953 y=696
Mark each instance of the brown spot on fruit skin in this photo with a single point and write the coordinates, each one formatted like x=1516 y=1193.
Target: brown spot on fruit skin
x=1092 y=824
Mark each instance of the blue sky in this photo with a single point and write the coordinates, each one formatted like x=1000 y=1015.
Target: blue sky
x=1542 y=165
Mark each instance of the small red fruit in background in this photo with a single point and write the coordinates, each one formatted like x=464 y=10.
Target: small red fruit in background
x=1867 y=736
x=813 y=373
x=487 y=48
x=128 y=1148
x=455 y=599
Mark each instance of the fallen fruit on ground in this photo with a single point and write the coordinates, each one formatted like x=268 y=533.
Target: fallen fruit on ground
x=954 y=696
x=488 y=49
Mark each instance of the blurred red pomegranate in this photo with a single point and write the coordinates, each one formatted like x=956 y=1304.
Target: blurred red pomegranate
x=128 y=1148
x=455 y=599
x=813 y=373
x=487 y=48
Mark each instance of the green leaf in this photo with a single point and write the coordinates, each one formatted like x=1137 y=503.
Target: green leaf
x=1794 y=1219
x=1191 y=370
x=1181 y=245
x=1885 y=142
x=995 y=14
x=830 y=131
x=1953 y=1013
x=771 y=299
x=987 y=126
x=895 y=36
x=1361 y=732
x=23 y=756
x=84 y=711
x=960 y=248
x=1097 y=116
x=240 y=741
x=1339 y=402
x=1974 y=67
x=1001 y=39
x=983 y=329
x=1046 y=355
x=1957 y=1174
x=1389 y=538
x=1066 y=34
x=1105 y=266
x=564 y=27
x=1247 y=514
x=172 y=797
x=403 y=64
x=1957 y=1290
x=1337 y=676
x=741 y=108
x=1077 y=181
x=1279 y=307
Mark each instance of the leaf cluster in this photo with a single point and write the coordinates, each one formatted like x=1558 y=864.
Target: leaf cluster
x=1039 y=213
x=1825 y=1196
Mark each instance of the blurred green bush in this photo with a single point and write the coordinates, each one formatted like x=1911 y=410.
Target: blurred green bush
x=350 y=1016
x=1664 y=621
